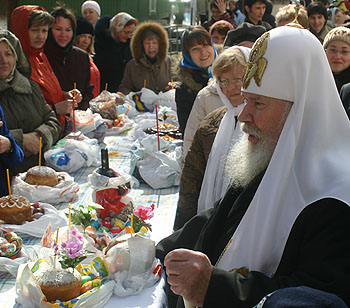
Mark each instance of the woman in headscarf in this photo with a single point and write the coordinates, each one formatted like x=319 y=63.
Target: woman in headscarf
x=194 y=71
x=337 y=47
x=92 y=11
x=85 y=40
x=31 y=23
x=27 y=114
x=70 y=64
x=151 y=64
x=204 y=163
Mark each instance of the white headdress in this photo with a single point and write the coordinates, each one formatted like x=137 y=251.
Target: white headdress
x=311 y=158
x=91 y=5
x=215 y=183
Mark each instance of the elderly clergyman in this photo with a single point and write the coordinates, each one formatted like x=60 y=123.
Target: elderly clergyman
x=284 y=221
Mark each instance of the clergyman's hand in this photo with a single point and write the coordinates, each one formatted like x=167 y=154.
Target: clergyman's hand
x=189 y=274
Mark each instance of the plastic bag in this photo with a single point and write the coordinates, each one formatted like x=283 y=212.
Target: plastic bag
x=134 y=265
x=156 y=168
x=106 y=104
x=84 y=121
x=70 y=155
x=29 y=293
x=65 y=191
x=37 y=227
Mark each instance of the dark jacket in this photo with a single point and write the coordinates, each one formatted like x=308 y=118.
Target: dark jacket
x=8 y=160
x=345 y=97
x=71 y=65
x=186 y=92
x=342 y=78
x=194 y=166
x=110 y=56
x=25 y=109
x=316 y=253
x=157 y=74
x=265 y=24
x=226 y=16
x=268 y=17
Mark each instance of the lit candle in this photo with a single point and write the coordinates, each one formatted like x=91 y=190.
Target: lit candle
x=8 y=181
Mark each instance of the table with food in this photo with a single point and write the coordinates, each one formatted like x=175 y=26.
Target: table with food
x=80 y=229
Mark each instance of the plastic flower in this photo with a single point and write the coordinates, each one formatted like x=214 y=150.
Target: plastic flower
x=72 y=252
x=144 y=212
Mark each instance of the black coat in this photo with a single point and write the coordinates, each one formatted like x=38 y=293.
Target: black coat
x=185 y=94
x=345 y=97
x=342 y=78
x=111 y=56
x=316 y=253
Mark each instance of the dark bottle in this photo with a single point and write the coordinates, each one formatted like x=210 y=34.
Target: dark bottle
x=105 y=170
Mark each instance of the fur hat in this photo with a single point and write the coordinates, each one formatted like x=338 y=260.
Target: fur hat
x=244 y=32
x=84 y=26
x=337 y=34
x=91 y=5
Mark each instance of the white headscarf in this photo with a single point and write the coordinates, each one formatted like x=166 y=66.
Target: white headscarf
x=215 y=182
x=120 y=20
x=311 y=158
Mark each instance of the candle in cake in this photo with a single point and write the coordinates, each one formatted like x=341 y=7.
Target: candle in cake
x=58 y=229
x=40 y=144
x=144 y=83
x=172 y=84
x=73 y=111
x=8 y=181
x=69 y=215
x=156 y=107
x=132 y=222
x=106 y=86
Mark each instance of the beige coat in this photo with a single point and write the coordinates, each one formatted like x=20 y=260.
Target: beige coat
x=206 y=101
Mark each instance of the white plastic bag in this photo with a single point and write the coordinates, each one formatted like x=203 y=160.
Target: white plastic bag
x=65 y=191
x=134 y=265
x=70 y=155
x=156 y=168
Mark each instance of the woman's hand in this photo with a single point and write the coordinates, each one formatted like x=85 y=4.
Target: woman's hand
x=70 y=95
x=31 y=143
x=65 y=106
x=5 y=143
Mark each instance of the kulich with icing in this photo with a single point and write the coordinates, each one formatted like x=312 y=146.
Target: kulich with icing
x=59 y=284
x=42 y=175
x=15 y=209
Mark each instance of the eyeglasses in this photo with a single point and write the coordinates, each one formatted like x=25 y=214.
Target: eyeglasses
x=333 y=51
x=225 y=82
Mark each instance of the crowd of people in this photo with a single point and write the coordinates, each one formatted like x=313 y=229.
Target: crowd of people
x=263 y=103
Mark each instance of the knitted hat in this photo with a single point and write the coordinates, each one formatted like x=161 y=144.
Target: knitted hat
x=244 y=32
x=120 y=20
x=337 y=34
x=296 y=297
x=91 y=5
x=84 y=26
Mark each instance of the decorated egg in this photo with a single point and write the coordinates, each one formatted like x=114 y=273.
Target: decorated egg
x=106 y=223
x=115 y=230
x=118 y=223
x=85 y=279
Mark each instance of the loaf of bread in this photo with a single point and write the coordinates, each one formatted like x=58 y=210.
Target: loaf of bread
x=15 y=209
x=42 y=176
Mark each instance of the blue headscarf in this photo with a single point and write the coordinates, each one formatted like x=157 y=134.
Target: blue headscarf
x=188 y=62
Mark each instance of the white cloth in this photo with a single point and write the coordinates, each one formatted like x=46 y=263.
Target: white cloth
x=311 y=158
x=215 y=183
x=120 y=20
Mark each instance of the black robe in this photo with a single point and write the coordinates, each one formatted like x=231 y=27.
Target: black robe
x=316 y=253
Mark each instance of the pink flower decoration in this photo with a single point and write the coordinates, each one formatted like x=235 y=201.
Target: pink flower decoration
x=144 y=212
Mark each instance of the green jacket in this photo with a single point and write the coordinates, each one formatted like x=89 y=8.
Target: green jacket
x=25 y=108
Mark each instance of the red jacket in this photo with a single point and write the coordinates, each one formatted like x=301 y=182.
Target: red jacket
x=95 y=78
x=42 y=72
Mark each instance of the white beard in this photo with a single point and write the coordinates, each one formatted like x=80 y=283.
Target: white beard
x=246 y=160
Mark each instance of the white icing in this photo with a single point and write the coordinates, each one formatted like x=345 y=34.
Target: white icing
x=14 y=201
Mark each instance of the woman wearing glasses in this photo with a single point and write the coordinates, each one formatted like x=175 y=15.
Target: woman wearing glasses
x=203 y=183
x=337 y=46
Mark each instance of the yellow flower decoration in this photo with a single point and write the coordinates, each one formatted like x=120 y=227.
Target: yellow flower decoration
x=257 y=63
